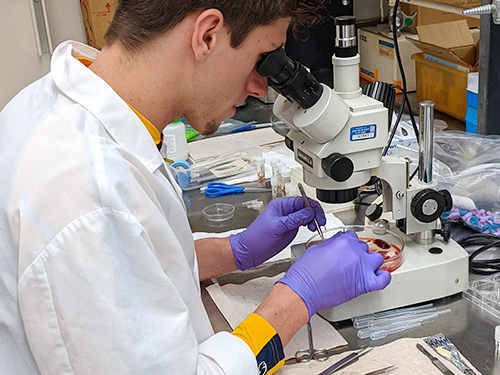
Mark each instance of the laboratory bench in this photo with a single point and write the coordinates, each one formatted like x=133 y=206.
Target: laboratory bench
x=467 y=326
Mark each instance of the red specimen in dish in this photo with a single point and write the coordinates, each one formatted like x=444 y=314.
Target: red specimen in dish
x=392 y=254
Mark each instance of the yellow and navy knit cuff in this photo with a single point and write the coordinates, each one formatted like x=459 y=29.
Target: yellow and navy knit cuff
x=263 y=341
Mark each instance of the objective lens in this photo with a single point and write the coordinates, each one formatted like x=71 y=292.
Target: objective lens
x=290 y=78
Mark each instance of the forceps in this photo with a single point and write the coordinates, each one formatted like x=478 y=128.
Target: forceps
x=385 y=370
x=305 y=355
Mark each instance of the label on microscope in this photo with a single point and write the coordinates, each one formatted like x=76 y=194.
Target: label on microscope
x=360 y=133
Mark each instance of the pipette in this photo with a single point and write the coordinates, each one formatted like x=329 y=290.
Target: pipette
x=362 y=321
x=408 y=316
x=308 y=204
x=377 y=335
x=367 y=332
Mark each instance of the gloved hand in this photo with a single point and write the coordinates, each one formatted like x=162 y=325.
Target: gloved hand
x=273 y=230
x=336 y=271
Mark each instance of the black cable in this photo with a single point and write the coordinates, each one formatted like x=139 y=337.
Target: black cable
x=396 y=124
x=401 y=69
x=486 y=241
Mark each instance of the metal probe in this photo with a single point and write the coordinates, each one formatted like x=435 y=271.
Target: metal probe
x=306 y=202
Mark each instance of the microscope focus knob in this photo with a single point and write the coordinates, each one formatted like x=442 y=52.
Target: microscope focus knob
x=428 y=205
x=448 y=200
x=339 y=167
x=445 y=230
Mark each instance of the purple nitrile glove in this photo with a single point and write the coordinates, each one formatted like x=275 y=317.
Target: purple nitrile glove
x=273 y=230
x=336 y=271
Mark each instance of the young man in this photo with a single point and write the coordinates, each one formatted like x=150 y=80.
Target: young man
x=99 y=273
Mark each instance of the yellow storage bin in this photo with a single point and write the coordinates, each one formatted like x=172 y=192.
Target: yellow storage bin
x=445 y=86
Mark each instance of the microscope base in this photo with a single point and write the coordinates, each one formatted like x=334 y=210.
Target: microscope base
x=424 y=276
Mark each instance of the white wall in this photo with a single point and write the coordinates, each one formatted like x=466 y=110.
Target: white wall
x=20 y=63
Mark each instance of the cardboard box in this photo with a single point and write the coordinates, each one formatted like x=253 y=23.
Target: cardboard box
x=460 y=3
x=456 y=3
x=97 y=15
x=449 y=41
x=449 y=54
x=378 y=59
x=428 y=16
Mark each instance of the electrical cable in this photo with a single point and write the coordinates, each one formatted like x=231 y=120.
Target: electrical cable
x=401 y=70
x=396 y=124
x=486 y=242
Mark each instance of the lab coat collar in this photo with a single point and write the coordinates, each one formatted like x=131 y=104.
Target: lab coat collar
x=90 y=91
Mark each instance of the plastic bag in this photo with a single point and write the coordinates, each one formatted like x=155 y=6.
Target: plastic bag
x=467 y=165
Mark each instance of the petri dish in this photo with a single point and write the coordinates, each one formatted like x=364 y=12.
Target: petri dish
x=218 y=212
x=385 y=242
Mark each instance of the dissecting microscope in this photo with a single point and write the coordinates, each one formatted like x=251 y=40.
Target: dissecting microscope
x=338 y=137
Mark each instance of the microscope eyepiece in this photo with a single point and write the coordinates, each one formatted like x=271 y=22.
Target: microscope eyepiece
x=290 y=78
x=346 y=43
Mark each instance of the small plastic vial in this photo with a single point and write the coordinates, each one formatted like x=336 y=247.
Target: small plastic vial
x=273 y=163
x=281 y=185
x=286 y=178
x=497 y=341
x=274 y=186
x=290 y=190
x=261 y=171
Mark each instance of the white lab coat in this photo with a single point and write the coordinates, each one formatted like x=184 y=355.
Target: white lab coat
x=98 y=272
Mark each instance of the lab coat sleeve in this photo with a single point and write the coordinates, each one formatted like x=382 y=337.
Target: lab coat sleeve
x=96 y=301
x=229 y=352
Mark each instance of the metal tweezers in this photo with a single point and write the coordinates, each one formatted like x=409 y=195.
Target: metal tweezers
x=384 y=370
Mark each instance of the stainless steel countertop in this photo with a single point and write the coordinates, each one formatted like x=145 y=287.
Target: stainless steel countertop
x=470 y=328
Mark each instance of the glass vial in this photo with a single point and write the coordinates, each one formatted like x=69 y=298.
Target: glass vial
x=274 y=186
x=286 y=178
x=261 y=171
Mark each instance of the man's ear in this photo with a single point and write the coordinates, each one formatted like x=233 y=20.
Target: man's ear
x=207 y=27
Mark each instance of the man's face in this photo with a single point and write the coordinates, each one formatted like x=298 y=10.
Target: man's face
x=229 y=76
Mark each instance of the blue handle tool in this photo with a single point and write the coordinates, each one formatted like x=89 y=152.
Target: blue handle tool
x=216 y=189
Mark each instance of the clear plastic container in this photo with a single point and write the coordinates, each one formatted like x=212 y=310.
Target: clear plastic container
x=383 y=241
x=218 y=212
x=218 y=162
x=485 y=293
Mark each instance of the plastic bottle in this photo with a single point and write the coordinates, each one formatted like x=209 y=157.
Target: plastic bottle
x=261 y=171
x=285 y=179
x=174 y=141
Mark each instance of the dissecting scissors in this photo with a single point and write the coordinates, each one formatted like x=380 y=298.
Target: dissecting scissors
x=305 y=355
x=215 y=189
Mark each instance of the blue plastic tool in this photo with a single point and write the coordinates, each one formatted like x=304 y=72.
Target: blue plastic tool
x=250 y=127
x=215 y=189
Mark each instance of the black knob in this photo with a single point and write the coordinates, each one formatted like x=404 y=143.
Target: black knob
x=445 y=230
x=427 y=205
x=448 y=199
x=339 y=167
x=373 y=212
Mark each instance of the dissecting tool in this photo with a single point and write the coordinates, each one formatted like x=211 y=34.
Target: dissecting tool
x=216 y=189
x=345 y=361
x=305 y=355
x=308 y=204
x=384 y=370
x=435 y=361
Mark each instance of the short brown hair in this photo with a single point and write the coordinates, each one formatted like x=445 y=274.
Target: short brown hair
x=136 y=22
